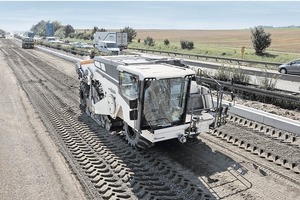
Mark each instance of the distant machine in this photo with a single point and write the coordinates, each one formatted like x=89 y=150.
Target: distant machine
x=31 y=34
x=27 y=43
x=110 y=42
x=2 y=34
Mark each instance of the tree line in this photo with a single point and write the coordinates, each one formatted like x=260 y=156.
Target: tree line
x=67 y=31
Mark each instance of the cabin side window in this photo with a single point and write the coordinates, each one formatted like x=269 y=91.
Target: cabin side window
x=129 y=85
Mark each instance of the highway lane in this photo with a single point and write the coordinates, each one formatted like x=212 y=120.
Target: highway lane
x=31 y=164
x=284 y=81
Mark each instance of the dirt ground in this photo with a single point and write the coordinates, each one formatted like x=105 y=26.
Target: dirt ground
x=31 y=165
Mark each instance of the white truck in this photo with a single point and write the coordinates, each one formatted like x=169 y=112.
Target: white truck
x=121 y=39
x=150 y=99
x=108 y=47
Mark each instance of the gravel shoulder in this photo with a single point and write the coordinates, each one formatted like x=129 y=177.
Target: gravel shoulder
x=31 y=166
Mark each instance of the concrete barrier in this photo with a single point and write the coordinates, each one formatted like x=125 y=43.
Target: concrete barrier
x=269 y=119
x=61 y=55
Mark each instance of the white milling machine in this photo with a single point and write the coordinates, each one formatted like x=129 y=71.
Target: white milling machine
x=153 y=99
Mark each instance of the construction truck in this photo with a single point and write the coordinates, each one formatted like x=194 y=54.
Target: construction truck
x=27 y=42
x=149 y=99
x=120 y=39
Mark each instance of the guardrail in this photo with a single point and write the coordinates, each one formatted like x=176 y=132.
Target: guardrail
x=197 y=56
x=81 y=53
x=58 y=54
x=295 y=97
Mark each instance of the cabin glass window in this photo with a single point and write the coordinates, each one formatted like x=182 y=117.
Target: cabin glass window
x=129 y=85
x=164 y=101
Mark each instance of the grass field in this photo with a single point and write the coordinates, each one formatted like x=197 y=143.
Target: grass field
x=285 y=42
x=283 y=39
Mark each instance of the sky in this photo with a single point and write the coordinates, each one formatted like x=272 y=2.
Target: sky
x=192 y=15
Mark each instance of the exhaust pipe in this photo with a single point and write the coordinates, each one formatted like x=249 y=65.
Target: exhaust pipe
x=182 y=138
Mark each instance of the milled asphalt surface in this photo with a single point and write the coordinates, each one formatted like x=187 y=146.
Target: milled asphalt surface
x=31 y=165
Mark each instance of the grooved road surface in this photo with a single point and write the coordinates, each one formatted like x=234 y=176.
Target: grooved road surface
x=31 y=166
x=49 y=149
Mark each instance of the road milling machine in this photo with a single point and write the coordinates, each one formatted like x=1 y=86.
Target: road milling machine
x=150 y=99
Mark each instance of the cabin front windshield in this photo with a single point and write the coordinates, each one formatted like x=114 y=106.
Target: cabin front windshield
x=111 y=45
x=164 y=101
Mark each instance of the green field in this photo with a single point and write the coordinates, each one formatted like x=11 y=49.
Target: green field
x=226 y=43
